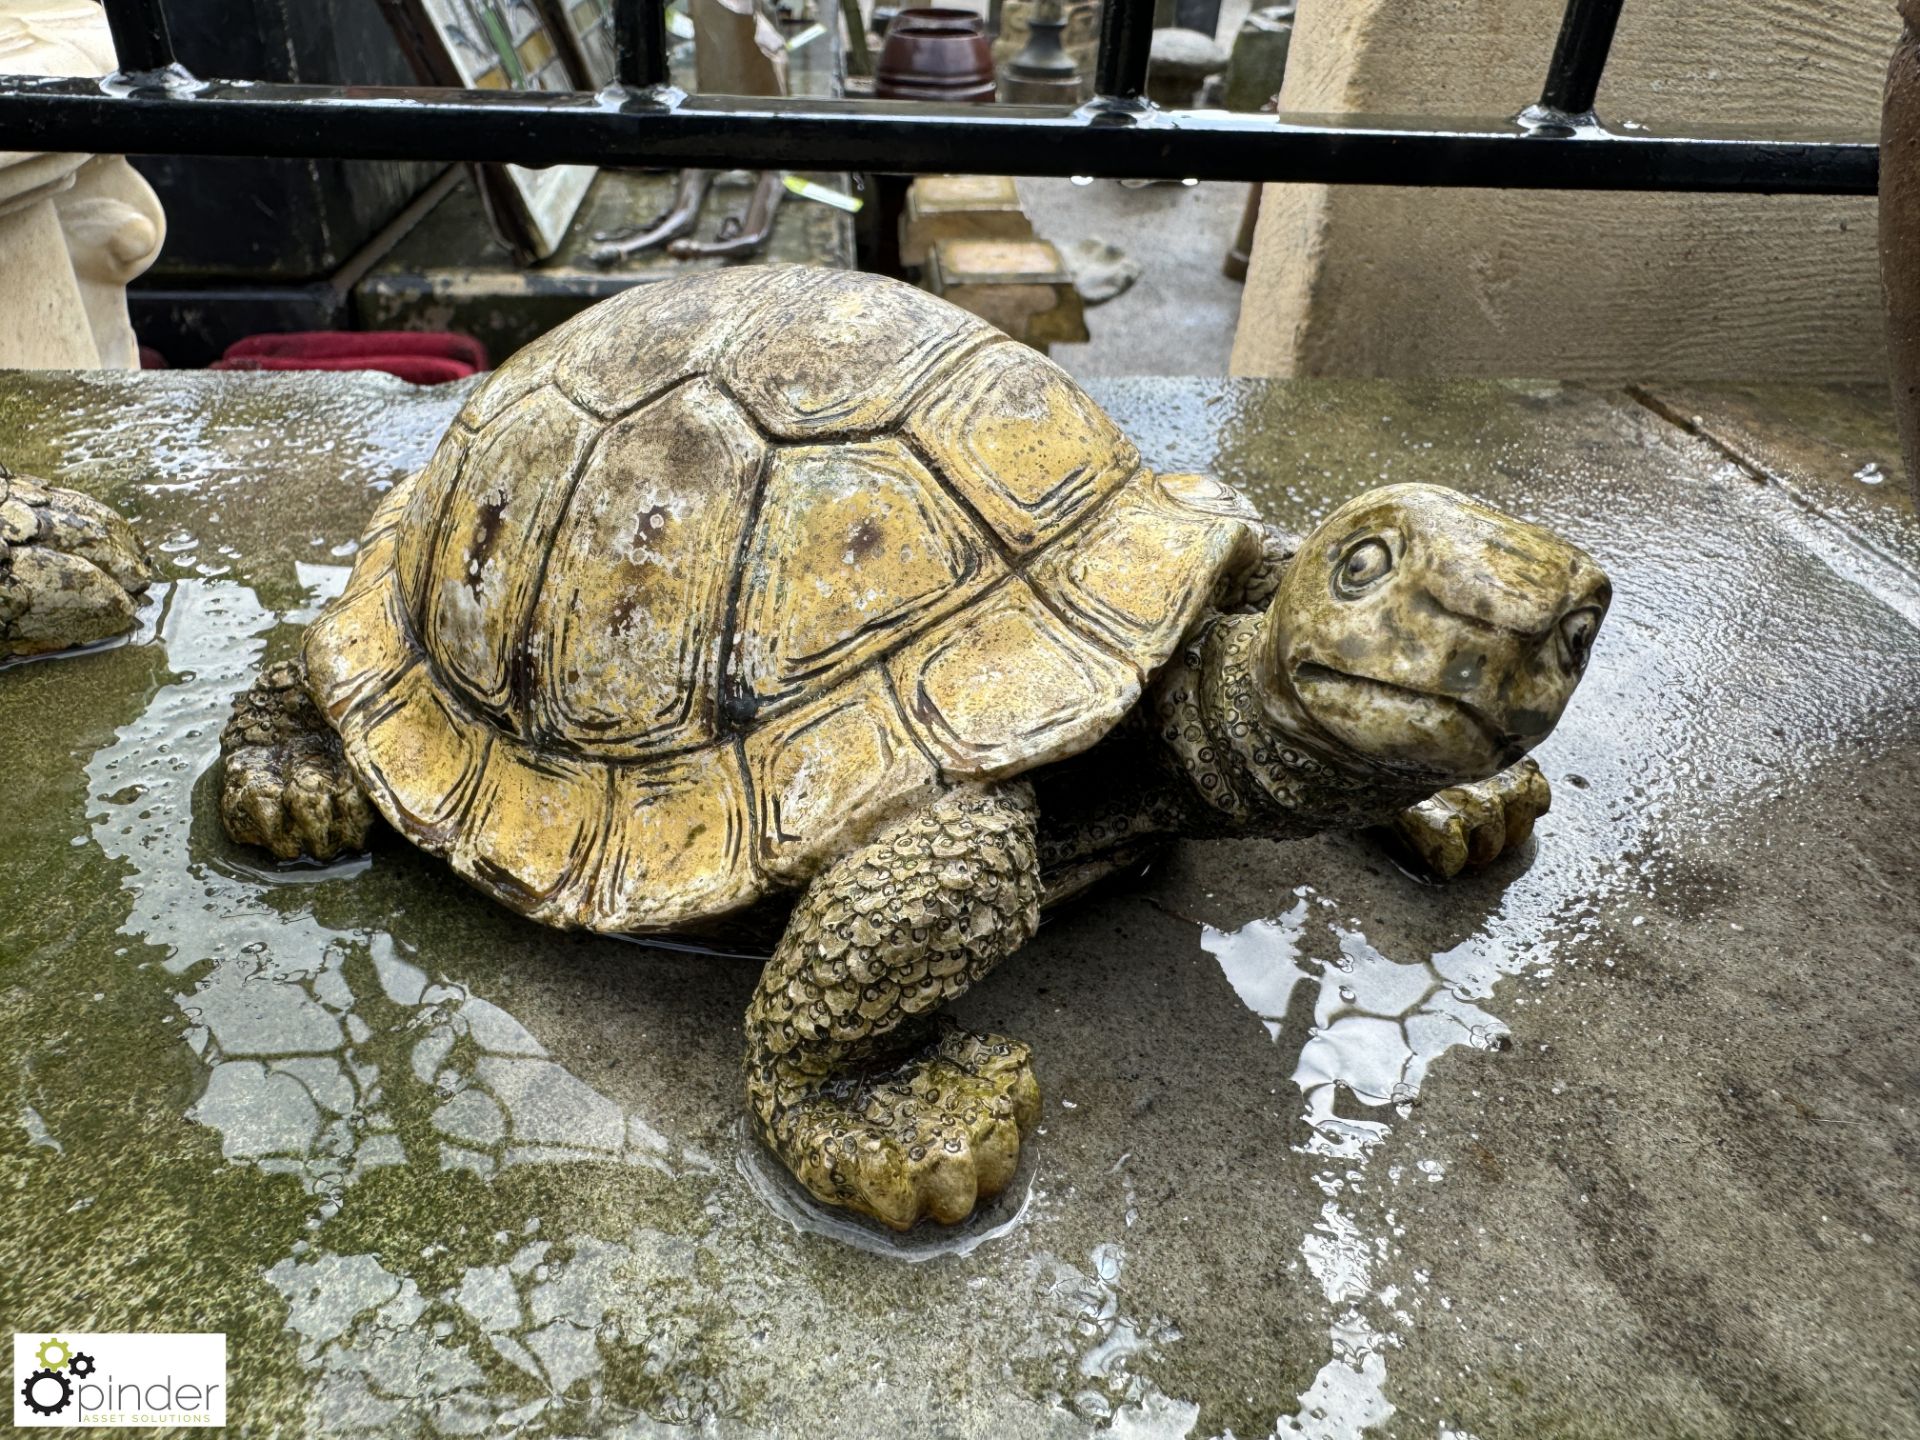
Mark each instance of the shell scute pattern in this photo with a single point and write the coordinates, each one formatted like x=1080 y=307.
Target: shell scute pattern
x=831 y=356
x=625 y=635
x=426 y=500
x=418 y=755
x=818 y=769
x=363 y=640
x=625 y=351
x=534 y=364
x=1023 y=444
x=499 y=517
x=708 y=586
x=535 y=836
x=679 y=842
x=857 y=547
x=1145 y=565
x=1007 y=686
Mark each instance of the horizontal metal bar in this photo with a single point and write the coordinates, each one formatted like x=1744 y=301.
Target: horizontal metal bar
x=1580 y=56
x=140 y=38
x=664 y=129
x=1125 y=45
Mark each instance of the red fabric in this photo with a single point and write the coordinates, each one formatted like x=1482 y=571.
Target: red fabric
x=349 y=344
x=152 y=359
x=417 y=369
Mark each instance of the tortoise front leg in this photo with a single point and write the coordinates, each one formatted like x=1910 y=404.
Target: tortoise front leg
x=286 y=785
x=1465 y=827
x=868 y=1103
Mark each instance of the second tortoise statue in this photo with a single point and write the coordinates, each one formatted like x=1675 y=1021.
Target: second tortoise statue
x=71 y=570
x=802 y=582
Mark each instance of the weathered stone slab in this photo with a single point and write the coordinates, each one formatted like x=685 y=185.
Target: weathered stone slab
x=1616 y=1139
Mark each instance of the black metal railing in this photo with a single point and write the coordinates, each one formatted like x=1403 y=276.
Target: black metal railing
x=154 y=106
x=1580 y=57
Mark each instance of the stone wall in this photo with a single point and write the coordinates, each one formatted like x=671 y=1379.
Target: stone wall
x=1366 y=280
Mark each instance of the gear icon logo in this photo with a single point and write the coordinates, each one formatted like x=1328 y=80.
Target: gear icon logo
x=47 y=1392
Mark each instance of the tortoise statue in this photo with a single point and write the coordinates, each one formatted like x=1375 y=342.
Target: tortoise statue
x=805 y=585
x=71 y=570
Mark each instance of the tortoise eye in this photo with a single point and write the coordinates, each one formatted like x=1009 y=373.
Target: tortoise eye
x=1366 y=564
x=1576 y=639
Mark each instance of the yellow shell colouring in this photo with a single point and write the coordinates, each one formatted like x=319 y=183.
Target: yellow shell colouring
x=710 y=583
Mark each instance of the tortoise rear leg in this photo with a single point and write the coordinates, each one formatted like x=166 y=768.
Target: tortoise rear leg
x=286 y=785
x=870 y=1103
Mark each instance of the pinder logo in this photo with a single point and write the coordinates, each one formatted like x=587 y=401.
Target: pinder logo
x=68 y=1378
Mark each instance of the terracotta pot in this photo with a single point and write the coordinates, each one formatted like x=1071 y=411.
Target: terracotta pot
x=935 y=54
x=1900 y=233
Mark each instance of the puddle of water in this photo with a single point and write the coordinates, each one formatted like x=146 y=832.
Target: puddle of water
x=1377 y=1025
x=784 y=1197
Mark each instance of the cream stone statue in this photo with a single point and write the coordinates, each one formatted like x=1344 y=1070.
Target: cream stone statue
x=74 y=229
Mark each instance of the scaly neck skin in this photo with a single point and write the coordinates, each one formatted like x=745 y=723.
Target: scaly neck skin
x=1250 y=755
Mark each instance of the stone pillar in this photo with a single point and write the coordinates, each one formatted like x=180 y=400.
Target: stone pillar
x=74 y=229
x=1365 y=280
x=1900 y=234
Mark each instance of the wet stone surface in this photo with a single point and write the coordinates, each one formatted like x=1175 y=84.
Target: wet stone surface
x=1617 y=1139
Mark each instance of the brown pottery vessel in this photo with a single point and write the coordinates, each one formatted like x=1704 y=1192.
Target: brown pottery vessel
x=935 y=54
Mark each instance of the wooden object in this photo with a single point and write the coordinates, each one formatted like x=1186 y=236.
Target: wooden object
x=1022 y=286
x=493 y=45
x=960 y=207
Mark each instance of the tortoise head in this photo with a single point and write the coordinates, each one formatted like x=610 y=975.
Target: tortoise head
x=1423 y=634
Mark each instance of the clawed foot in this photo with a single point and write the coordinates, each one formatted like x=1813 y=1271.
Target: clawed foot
x=70 y=569
x=1468 y=826
x=287 y=787
x=934 y=1137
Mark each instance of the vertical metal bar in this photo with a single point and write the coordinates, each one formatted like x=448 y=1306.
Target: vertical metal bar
x=1126 y=38
x=1580 y=55
x=859 y=55
x=640 y=33
x=140 y=38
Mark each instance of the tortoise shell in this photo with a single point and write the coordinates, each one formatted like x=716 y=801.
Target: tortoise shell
x=711 y=582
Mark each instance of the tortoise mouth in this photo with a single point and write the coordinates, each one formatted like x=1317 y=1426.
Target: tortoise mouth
x=1504 y=746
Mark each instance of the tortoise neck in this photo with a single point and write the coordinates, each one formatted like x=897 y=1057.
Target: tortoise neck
x=1249 y=753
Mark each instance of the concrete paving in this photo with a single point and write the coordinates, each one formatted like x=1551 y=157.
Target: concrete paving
x=1179 y=316
x=1615 y=1140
